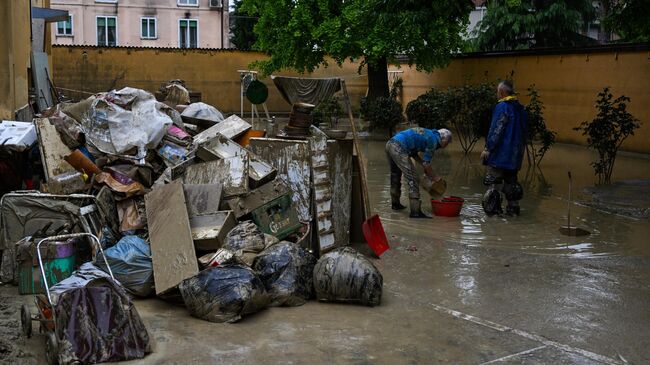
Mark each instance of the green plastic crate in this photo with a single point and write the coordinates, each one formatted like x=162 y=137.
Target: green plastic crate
x=277 y=217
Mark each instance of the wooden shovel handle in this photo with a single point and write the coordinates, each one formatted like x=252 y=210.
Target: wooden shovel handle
x=355 y=138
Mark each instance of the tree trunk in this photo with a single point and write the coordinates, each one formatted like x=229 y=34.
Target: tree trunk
x=377 y=79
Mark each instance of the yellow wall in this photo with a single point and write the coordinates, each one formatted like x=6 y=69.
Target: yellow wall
x=14 y=56
x=212 y=72
x=568 y=83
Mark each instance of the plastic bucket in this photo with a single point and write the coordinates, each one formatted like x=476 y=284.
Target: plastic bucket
x=447 y=207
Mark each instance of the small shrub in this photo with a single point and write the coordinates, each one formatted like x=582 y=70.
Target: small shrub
x=383 y=113
x=396 y=88
x=328 y=112
x=605 y=133
x=467 y=109
x=430 y=110
x=540 y=138
x=473 y=105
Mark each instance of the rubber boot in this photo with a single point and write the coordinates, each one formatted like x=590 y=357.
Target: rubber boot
x=512 y=209
x=394 y=200
x=416 y=212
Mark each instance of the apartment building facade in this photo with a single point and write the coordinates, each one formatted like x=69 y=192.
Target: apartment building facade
x=145 y=23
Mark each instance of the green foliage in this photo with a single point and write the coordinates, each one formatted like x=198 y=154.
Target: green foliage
x=467 y=109
x=432 y=110
x=300 y=34
x=526 y=24
x=473 y=104
x=605 y=133
x=241 y=27
x=540 y=138
x=629 y=19
x=328 y=112
x=383 y=113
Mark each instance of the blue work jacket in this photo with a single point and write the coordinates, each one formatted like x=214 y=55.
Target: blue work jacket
x=507 y=137
x=419 y=139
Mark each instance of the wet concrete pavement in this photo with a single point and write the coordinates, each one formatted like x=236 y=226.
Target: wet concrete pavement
x=467 y=290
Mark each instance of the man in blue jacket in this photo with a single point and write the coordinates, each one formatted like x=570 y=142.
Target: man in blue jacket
x=504 y=151
x=400 y=149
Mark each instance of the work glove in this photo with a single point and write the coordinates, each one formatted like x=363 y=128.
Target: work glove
x=485 y=155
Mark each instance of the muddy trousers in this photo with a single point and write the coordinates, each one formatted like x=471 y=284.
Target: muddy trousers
x=401 y=164
x=511 y=188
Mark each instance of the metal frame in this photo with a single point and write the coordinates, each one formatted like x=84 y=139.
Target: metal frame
x=62 y=237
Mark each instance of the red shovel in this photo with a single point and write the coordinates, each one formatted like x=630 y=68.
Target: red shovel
x=372 y=229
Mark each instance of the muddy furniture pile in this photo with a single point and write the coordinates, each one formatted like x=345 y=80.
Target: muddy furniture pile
x=189 y=207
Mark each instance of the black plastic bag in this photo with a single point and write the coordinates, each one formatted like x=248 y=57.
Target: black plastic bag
x=224 y=293
x=345 y=275
x=246 y=236
x=130 y=261
x=96 y=321
x=286 y=270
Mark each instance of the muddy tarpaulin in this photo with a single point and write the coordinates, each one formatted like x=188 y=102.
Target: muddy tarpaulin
x=345 y=275
x=22 y=215
x=286 y=270
x=96 y=321
x=306 y=90
x=224 y=293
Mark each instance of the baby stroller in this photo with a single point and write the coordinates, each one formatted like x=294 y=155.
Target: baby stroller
x=88 y=317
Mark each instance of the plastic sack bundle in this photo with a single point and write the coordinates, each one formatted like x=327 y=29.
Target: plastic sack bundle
x=286 y=270
x=130 y=261
x=203 y=111
x=345 y=275
x=246 y=240
x=121 y=120
x=224 y=293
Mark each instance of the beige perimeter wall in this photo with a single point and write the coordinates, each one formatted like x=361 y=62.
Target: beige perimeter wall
x=568 y=83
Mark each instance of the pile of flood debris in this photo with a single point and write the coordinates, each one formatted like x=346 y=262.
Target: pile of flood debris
x=186 y=205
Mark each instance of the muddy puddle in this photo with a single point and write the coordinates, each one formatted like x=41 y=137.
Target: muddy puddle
x=544 y=207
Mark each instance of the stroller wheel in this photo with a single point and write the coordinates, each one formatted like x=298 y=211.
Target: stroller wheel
x=52 y=349
x=26 y=320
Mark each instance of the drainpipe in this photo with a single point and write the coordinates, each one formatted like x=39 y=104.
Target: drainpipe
x=222 y=9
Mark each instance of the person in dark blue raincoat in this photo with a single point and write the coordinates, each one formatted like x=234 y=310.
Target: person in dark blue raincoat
x=504 y=151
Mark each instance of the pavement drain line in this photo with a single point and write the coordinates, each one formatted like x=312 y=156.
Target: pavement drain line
x=502 y=328
x=530 y=336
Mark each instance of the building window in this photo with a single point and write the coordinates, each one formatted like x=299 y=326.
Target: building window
x=188 y=33
x=188 y=2
x=148 y=28
x=106 y=31
x=64 y=28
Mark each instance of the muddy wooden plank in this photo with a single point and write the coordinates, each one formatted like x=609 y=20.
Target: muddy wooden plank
x=202 y=199
x=52 y=149
x=172 y=247
x=291 y=158
x=232 y=173
x=232 y=127
x=340 y=161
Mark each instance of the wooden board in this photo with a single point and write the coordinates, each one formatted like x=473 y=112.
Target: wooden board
x=52 y=149
x=232 y=173
x=292 y=160
x=172 y=247
x=340 y=160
